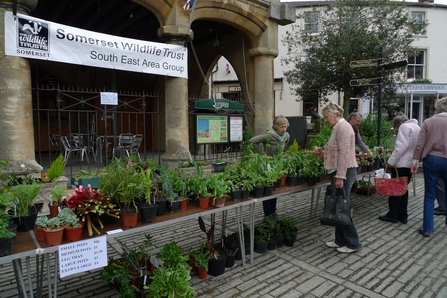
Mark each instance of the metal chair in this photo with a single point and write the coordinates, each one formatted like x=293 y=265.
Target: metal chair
x=55 y=144
x=136 y=145
x=70 y=147
x=125 y=141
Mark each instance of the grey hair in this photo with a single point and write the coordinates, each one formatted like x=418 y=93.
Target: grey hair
x=279 y=121
x=354 y=114
x=398 y=120
x=441 y=105
x=332 y=109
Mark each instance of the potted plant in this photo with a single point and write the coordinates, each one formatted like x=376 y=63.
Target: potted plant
x=290 y=230
x=201 y=259
x=39 y=228
x=86 y=177
x=7 y=237
x=172 y=278
x=24 y=213
x=57 y=195
x=73 y=226
x=219 y=187
x=219 y=165
x=120 y=180
x=147 y=207
x=262 y=236
x=116 y=273
x=54 y=232
x=90 y=204
x=181 y=187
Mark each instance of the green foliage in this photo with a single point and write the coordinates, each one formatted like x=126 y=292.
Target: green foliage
x=293 y=147
x=4 y=225
x=57 y=192
x=91 y=173
x=120 y=180
x=42 y=222
x=172 y=278
x=24 y=195
x=368 y=131
x=68 y=218
x=349 y=30
x=202 y=257
x=262 y=234
x=56 y=168
x=116 y=272
x=322 y=137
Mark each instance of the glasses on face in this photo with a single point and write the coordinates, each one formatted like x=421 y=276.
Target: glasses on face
x=358 y=120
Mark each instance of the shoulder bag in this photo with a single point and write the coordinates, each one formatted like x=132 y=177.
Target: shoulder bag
x=337 y=209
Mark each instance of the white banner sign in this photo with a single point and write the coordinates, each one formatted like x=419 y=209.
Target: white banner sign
x=29 y=37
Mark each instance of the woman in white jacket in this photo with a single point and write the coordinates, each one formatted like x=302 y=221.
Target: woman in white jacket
x=401 y=159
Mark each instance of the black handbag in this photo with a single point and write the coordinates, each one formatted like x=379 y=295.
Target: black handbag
x=337 y=209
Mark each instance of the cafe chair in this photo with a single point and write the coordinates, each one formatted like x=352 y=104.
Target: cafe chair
x=70 y=147
x=134 y=148
x=125 y=141
x=55 y=144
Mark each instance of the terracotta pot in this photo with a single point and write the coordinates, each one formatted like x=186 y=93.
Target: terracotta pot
x=54 y=209
x=203 y=274
x=204 y=202
x=54 y=237
x=183 y=204
x=74 y=234
x=283 y=180
x=219 y=202
x=129 y=220
x=40 y=234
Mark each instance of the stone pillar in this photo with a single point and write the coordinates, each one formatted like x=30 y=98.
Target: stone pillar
x=176 y=106
x=263 y=89
x=16 y=110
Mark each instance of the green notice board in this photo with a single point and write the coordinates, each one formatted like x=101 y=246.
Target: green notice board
x=212 y=129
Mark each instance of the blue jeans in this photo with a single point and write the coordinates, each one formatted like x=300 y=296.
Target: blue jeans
x=347 y=236
x=434 y=167
x=440 y=195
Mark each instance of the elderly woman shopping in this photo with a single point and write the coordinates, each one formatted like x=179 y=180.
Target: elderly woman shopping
x=401 y=160
x=340 y=163
x=431 y=148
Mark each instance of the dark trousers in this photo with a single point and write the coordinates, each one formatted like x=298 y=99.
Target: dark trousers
x=398 y=205
x=269 y=206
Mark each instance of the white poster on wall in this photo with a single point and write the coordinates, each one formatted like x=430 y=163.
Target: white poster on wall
x=34 y=38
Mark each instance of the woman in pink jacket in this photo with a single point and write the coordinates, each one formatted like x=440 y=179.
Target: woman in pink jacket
x=340 y=163
x=401 y=160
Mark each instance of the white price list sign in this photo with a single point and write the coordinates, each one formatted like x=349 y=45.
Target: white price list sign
x=82 y=256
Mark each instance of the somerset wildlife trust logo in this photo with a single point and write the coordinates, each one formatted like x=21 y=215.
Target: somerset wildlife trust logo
x=32 y=35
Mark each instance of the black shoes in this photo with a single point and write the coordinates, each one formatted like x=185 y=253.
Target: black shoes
x=424 y=233
x=388 y=219
x=438 y=212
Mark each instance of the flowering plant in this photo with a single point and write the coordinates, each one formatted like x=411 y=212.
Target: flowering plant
x=87 y=202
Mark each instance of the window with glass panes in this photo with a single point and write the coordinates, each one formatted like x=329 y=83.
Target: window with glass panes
x=419 y=17
x=311 y=22
x=416 y=66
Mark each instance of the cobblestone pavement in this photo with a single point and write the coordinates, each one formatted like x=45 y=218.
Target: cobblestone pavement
x=395 y=261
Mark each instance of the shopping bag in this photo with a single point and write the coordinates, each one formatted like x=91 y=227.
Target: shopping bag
x=394 y=187
x=337 y=209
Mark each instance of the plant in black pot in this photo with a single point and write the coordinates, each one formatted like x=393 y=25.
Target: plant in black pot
x=7 y=237
x=262 y=237
x=147 y=206
x=216 y=265
x=116 y=273
x=23 y=212
x=290 y=231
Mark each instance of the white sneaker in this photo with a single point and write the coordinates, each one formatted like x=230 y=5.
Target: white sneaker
x=347 y=250
x=332 y=244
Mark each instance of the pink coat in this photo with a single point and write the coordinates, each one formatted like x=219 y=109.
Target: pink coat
x=339 y=152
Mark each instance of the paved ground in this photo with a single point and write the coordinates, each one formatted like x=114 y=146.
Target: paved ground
x=395 y=262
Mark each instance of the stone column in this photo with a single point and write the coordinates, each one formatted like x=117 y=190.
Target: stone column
x=16 y=110
x=263 y=89
x=176 y=106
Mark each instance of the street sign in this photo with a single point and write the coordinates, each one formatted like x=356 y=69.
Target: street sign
x=365 y=82
x=395 y=65
x=364 y=63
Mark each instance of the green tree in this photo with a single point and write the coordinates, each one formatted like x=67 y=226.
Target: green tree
x=349 y=30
